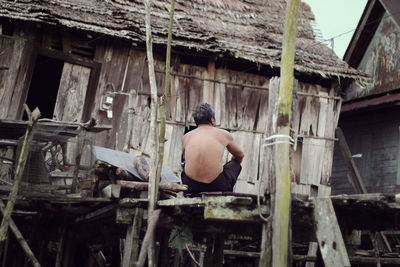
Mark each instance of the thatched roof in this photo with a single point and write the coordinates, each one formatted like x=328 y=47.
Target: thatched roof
x=245 y=29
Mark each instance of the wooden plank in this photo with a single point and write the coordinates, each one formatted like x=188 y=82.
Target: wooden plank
x=220 y=100
x=312 y=251
x=131 y=245
x=330 y=116
x=100 y=213
x=7 y=49
x=327 y=162
x=209 y=86
x=323 y=111
x=331 y=243
x=19 y=74
x=71 y=93
x=312 y=160
x=173 y=147
x=250 y=144
x=263 y=110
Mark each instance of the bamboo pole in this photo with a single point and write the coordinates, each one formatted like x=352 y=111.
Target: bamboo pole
x=153 y=182
x=33 y=118
x=164 y=98
x=280 y=224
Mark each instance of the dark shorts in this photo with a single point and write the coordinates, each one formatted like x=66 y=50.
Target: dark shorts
x=224 y=182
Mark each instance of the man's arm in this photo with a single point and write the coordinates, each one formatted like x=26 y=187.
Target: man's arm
x=233 y=148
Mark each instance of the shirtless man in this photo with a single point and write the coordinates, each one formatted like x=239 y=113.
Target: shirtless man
x=203 y=149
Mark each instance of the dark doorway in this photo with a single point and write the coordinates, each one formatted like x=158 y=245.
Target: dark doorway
x=44 y=85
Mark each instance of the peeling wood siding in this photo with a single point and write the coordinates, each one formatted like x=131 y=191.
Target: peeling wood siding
x=381 y=61
x=375 y=135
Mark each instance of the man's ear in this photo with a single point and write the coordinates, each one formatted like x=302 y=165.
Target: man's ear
x=213 y=122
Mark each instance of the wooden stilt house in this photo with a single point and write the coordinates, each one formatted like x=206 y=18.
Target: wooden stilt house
x=78 y=60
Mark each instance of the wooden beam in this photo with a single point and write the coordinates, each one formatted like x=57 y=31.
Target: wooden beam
x=144 y=186
x=351 y=165
x=330 y=240
x=96 y=214
x=281 y=216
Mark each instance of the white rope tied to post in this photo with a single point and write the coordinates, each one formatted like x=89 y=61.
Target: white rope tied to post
x=289 y=140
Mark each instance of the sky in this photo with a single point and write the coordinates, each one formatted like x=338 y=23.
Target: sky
x=336 y=18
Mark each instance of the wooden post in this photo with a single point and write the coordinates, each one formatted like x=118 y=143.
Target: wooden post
x=33 y=118
x=153 y=183
x=165 y=97
x=280 y=224
x=155 y=166
x=267 y=184
x=330 y=240
x=148 y=238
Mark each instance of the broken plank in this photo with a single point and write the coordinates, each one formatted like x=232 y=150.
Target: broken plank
x=330 y=240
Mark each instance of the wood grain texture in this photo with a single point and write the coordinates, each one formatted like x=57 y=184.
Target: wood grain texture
x=331 y=243
x=18 y=75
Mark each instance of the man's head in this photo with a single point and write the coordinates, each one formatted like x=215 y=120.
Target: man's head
x=203 y=114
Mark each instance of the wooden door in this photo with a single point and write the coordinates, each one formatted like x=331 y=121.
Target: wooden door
x=72 y=93
x=70 y=103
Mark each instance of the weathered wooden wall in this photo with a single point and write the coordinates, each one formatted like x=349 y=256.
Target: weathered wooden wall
x=375 y=135
x=17 y=56
x=381 y=61
x=240 y=100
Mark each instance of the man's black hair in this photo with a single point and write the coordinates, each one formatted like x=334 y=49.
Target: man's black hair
x=203 y=113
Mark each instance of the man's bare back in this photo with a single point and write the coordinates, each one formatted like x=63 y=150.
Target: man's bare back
x=203 y=149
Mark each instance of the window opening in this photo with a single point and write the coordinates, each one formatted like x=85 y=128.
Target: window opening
x=44 y=85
